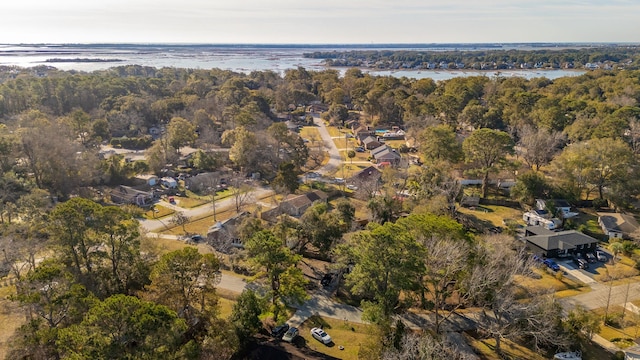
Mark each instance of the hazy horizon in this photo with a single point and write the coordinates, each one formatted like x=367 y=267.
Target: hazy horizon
x=327 y=22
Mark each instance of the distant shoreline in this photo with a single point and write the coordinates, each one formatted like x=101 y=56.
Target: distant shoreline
x=81 y=60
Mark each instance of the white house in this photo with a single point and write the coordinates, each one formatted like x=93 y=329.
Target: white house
x=616 y=225
x=559 y=204
x=169 y=182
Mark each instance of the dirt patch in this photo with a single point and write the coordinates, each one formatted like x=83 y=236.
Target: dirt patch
x=11 y=318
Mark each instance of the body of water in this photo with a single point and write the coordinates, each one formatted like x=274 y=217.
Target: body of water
x=238 y=58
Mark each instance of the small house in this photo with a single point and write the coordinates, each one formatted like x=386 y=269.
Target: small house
x=169 y=182
x=632 y=353
x=617 y=225
x=368 y=173
x=128 y=195
x=370 y=143
x=297 y=205
x=223 y=235
x=553 y=244
x=385 y=153
x=559 y=204
x=317 y=108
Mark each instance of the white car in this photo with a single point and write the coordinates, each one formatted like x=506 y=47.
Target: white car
x=321 y=336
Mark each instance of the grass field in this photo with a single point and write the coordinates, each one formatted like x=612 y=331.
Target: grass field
x=494 y=214
x=161 y=212
x=562 y=286
x=201 y=225
x=619 y=270
x=349 y=335
x=310 y=132
x=155 y=245
x=190 y=202
x=11 y=318
x=511 y=350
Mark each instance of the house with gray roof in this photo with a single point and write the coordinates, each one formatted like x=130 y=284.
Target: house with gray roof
x=553 y=244
x=385 y=153
x=296 y=205
x=617 y=225
x=370 y=142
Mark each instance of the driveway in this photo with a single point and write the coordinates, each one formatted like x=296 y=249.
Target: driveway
x=581 y=275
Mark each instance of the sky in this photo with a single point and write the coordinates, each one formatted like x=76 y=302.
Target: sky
x=319 y=21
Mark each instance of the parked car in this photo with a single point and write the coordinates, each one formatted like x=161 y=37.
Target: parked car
x=197 y=238
x=321 y=336
x=551 y=264
x=581 y=263
x=352 y=187
x=602 y=256
x=290 y=334
x=591 y=258
x=326 y=279
x=278 y=331
x=359 y=149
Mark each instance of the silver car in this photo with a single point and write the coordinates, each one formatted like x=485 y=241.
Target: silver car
x=290 y=334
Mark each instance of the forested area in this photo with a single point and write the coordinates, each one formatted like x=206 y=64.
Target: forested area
x=90 y=290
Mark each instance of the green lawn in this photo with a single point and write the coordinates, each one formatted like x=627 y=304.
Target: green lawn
x=494 y=214
x=161 y=212
x=349 y=335
x=189 y=202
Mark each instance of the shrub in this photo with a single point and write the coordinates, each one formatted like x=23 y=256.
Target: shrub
x=614 y=320
x=600 y=203
x=137 y=143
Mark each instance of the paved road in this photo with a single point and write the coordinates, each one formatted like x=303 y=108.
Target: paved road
x=334 y=155
x=321 y=304
x=152 y=225
x=599 y=296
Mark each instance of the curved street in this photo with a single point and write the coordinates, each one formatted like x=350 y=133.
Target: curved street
x=334 y=154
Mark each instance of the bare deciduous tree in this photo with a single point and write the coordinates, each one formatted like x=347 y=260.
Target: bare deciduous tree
x=537 y=146
x=425 y=346
x=181 y=219
x=493 y=286
x=241 y=193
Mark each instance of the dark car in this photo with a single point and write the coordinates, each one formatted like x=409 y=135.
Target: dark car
x=360 y=149
x=278 y=331
x=591 y=258
x=197 y=238
x=326 y=279
x=581 y=263
x=551 y=265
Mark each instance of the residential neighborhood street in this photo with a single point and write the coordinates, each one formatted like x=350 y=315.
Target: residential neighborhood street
x=334 y=154
x=153 y=225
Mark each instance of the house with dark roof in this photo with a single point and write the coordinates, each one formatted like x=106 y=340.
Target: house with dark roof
x=385 y=153
x=223 y=235
x=363 y=130
x=128 y=195
x=617 y=225
x=296 y=205
x=370 y=143
x=558 y=243
x=368 y=173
